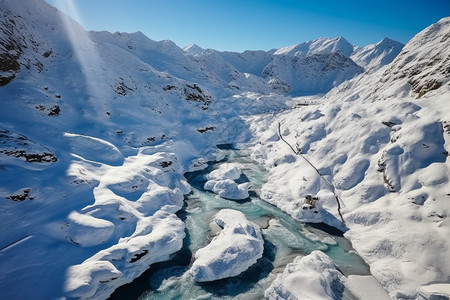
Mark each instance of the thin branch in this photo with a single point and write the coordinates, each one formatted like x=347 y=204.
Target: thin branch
x=299 y=152
x=281 y=137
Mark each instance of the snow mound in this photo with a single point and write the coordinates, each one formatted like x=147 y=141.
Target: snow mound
x=311 y=277
x=237 y=247
x=82 y=228
x=228 y=170
x=435 y=291
x=383 y=147
x=228 y=189
x=221 y=182
x=155 y=239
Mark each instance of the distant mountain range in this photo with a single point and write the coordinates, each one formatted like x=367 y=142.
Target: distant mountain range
x=307 y=68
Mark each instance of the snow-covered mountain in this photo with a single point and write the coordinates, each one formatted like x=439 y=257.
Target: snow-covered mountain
x=318 y=46
x=311 y=74
x=315 y=66
x=249 y=61
x=380 y=142
x=194 y=49
x=77 y=106
x=376 y=55
x=98 y=129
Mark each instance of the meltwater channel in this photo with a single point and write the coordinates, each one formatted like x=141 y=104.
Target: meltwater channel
x=285 y=238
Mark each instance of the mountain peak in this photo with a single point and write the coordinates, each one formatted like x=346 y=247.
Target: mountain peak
x=321 y=45
x=374 y=56
x=193 y=49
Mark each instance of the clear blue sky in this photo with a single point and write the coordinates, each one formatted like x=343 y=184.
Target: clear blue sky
x=238 y=25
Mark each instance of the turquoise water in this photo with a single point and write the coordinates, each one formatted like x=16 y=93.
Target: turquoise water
x=285 y=238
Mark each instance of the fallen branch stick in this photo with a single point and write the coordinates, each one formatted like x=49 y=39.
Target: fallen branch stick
x=299 y=152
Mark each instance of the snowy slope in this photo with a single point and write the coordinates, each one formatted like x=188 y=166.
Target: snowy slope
x=307 y=68
x=380 y=143
x=375 y=56
x=318 y=46
x=97 y=130
x=312 y=74
x=420 y=69
x=96 y=134
x=193 y=49
x=206 y=66
x=315 y=66
x=249 y=61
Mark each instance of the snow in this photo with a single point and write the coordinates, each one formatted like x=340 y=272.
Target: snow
x=375 y=56
x=98 y=129
x=312 y=74
x=385 y=153
x=228 y=189
x=193 y=49
x=237 y=247
x=228 y=170
x=82 y=228
x=154 y=240
x=366 y=287
x=315 y=66
x=435 y=291
x=311 y=277
x=222 y=182
x=318 y=46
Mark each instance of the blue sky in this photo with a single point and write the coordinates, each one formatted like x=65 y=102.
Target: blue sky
x=238 y=25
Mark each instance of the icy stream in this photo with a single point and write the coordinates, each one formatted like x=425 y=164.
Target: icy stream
x=285 y=238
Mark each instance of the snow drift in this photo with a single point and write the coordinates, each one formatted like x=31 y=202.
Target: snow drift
x=98 y=128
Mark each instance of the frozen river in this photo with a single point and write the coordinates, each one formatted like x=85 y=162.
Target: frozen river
x=284 y=239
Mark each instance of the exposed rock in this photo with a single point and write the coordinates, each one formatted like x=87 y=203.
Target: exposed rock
x=421 y=88
x=123 y=86
x=20 y=195
x=138 y=256
x=206 y=129
x=54 y=110
x=31 y=157
x=194 y=93
x=19 y=146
